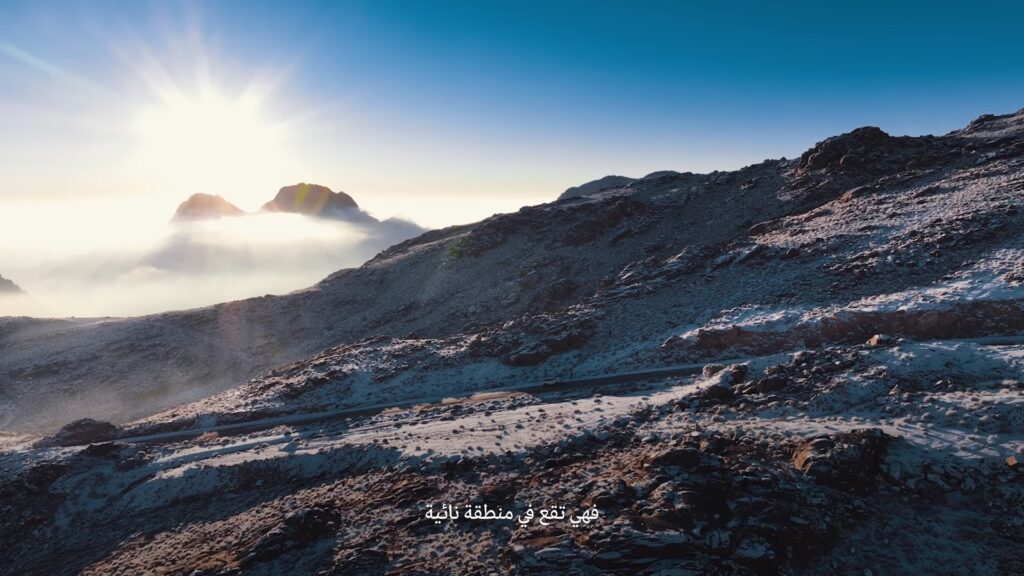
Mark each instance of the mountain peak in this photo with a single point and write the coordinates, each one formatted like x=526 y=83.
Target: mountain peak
x=595 y=186
x=205 y=207
x=8 y=287
x=312 y=199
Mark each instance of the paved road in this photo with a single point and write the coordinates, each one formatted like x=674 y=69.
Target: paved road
x=541 y=388
x=306 y=418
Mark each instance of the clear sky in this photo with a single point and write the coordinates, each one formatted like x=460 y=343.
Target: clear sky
x=445 y=111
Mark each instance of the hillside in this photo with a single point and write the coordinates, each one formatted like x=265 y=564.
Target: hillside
x=861 y=221
x=596 y=186
x=8 y=286
x=857 y=313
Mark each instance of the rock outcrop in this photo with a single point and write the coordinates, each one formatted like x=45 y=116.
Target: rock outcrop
x=848 y=461
x=316 y=200
x=596 y=186
x=205 y=207
x=686 y=267
x=575 y=359
x=80 y=432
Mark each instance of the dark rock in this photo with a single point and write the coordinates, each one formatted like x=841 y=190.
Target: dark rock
x=708 y=502
x=683 y=457
x=844 y=150
x=849 y=460
x=603 y=217
x=879 y=340
x=500 y=491
x=34 y=480
x=759 y=228
x=84 y=431
x=359 y=561
x=718 y=392
x=738 y=372
x=614 y=496
x=557 y=293
x=297 y=530
x=770 y=383
x=711 y=369
x=528 y=355
x=101 y=450
x=595 y=186
x=719 y=387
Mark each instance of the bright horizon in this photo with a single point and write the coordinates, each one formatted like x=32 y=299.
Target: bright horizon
x=442 y=114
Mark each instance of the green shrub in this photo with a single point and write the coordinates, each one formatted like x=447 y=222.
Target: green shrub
x=457 y=249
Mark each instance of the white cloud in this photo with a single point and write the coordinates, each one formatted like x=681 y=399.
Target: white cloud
x=95 y=265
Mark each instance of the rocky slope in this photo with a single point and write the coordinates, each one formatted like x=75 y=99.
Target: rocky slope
x=596 y=186
x=865 y=232
x=858 y=309
x=8 y=287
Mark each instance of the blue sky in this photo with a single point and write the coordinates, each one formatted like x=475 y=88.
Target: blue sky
x=485 y=104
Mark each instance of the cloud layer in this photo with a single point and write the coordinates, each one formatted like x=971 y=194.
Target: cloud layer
x=188 y=264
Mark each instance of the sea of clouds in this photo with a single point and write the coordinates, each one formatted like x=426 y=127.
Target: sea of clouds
x=108 y=260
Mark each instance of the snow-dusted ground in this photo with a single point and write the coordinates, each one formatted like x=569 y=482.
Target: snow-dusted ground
x=820 y=455
x=956 y=431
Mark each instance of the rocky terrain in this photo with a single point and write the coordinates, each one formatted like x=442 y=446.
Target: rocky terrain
x=858 y=313
x=596 y=186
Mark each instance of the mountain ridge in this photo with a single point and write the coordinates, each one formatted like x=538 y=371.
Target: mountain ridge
x=8 y=286
x=844 y=334
x=534 y=261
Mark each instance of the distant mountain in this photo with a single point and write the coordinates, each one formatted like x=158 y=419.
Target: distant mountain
x=852 y=281
x=8 y=287
x=317 y=200
x=682 y=266
x=206 y=207
x=596 y=186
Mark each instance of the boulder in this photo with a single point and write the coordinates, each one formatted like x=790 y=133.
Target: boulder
x=719 y=386
x=737 y=372
x=848 y=460
x=681 y=456
x=879 y=340
x=770 y=383
x=711 y=369
x=79 y=432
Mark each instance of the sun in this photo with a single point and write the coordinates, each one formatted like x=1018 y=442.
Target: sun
x=211 y=143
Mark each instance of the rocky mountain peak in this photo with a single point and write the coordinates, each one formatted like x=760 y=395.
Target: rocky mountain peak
x=842 y=150
x=752 y=372
x=205 y=207
x=995 y=125
x=596 y=186
x=311 y=199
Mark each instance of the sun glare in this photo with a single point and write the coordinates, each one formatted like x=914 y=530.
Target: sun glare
x=213 y=144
